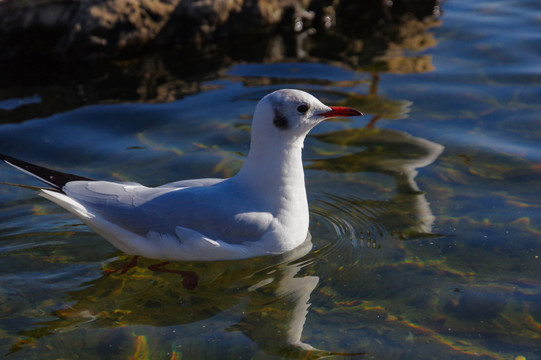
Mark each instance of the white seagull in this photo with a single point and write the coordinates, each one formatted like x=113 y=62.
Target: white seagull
x=262 y=210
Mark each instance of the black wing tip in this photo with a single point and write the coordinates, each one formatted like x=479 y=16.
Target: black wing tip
x=30 y=187
x=6 y=158
x=53 y=178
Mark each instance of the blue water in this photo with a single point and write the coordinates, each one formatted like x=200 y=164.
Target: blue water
x=425 y=213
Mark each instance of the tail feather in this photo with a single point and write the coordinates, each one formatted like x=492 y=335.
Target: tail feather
x=54 y=178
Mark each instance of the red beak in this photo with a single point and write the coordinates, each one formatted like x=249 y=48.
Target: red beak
x=341 y=111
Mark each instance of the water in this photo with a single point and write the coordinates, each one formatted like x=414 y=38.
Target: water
x=425 y=214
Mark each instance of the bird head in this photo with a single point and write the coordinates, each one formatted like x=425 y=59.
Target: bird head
x=290 y=114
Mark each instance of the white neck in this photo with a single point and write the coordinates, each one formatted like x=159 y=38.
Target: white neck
x=273 y=172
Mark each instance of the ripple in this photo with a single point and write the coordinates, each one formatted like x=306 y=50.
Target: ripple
x=349 y=223
x=342 y=224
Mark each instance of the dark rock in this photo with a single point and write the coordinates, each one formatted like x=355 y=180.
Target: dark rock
x=68 y=30
x=89 y=29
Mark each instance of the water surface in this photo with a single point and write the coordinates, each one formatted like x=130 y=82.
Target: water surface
x=425 y=213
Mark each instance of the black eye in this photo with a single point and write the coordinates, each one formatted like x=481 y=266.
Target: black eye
x=302 y=108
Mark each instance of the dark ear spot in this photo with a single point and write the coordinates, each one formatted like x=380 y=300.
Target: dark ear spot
x=280 y=121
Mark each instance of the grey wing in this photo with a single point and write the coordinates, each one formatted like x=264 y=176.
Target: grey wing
x=192 y=183
x=121 y=204
x=213 y=211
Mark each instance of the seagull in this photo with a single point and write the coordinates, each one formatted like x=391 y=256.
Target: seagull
x=262 y=210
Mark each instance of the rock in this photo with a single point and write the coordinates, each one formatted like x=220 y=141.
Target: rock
x=74 y=30
x=89 y=29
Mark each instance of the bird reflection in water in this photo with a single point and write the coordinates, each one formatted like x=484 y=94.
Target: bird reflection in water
x=269 y=295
